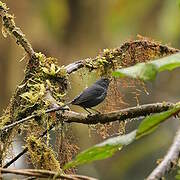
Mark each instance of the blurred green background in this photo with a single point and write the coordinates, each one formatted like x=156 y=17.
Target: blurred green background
x=74 y=29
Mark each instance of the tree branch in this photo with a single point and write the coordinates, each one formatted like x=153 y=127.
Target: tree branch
x=74 y=66
x=38 y=173
x=121 y=115
x=16 y=158
x=170 y=159
x=10 y=27
x=118 y=52
x=26 y=119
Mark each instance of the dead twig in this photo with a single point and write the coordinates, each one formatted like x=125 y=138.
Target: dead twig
x=169 y=161
x=38 y=173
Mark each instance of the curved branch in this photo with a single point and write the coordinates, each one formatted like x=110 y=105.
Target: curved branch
x=119 y=51
x=11 y=28
x=38 y=173
x=170 y=159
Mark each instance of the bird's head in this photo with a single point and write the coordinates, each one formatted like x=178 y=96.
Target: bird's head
x=104 y=82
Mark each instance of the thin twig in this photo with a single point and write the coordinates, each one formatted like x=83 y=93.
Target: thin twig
x=15 y=158
x=169 y=161
x=38 y=173
x=26 y=119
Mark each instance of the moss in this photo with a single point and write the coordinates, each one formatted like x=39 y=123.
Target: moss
x=30 y=97
x=41 y=74
x=4 y=120
x=37 y=92
x=48 y=75
x=105 y=62
x=3 y=6
x=128 y=54
x=42 y=156
x=8 y=22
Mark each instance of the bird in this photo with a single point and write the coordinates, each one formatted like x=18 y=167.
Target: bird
x=92 y=96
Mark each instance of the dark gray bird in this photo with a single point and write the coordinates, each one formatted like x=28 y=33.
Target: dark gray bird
x=93 y=95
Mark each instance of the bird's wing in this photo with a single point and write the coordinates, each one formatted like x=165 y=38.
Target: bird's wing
x=88 y=94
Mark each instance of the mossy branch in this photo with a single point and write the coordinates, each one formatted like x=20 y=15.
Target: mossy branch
x=121 y=115
x=129 y=53
x=10 y=27
x=40 y=72
x=17 y=122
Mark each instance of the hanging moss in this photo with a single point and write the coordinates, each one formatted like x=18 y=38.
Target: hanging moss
x=42 y=156
x=41 y=74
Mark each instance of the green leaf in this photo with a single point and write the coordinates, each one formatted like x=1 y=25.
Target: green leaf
x=167 y=63
x=148 y=71
x=141 y=70
x=150 y=123
x=102 y=150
